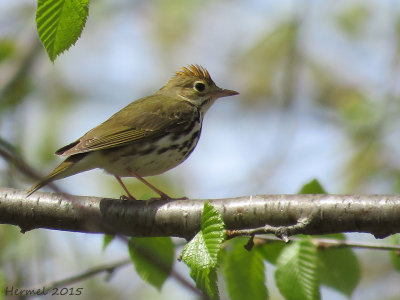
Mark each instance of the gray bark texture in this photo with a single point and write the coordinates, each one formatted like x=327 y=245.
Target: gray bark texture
x=305 y=214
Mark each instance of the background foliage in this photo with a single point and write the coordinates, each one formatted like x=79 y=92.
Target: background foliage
x=319 y=98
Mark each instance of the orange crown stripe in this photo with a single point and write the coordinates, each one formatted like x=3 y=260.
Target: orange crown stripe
x=194 y=70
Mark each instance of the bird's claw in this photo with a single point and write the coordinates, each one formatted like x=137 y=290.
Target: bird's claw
x=126 y=198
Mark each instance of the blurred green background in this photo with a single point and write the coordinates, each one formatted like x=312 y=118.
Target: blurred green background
x=319 y=97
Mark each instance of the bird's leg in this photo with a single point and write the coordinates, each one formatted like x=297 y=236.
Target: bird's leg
x=124 y=187
x=163 y=195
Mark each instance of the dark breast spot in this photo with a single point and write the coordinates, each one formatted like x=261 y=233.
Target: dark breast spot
x=195 y=135
x=187 y=130
x=176 y=136
x=165 y=149
x=147 y=151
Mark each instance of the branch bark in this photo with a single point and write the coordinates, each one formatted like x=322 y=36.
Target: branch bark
x=308 y=214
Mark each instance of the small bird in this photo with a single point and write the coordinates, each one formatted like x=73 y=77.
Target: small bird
x=147 y=137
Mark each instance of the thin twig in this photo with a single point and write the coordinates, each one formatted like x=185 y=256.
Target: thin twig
x=334 y=243
x=282 y=232
x=108 y=268
x=10 y=154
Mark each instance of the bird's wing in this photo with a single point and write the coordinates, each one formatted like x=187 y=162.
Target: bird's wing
x=142 y=119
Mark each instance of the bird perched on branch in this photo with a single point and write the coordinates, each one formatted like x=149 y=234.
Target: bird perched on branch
x=147 y=137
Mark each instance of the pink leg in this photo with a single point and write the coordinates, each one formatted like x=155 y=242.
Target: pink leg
x=124 y=187
x=163 y=195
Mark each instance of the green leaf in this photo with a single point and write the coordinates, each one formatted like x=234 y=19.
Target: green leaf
x=153 y=258
x=60 y=23
x=206 y=280
x=339 y=269
x=312 y=187
x=296 y=274
x=395 y=255
x=201 y=253
x=271 y=250
x=107 y=239
x=245 y=272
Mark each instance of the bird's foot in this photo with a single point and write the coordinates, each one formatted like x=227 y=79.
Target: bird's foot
x=126 y=198
x=181 y=198
x=165 y=197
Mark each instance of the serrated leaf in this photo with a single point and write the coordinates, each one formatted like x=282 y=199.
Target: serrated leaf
x=339 y=269
x=60 y=23
x=296 y=274
x=206 y=280
x=153 y=258
x=245 y=272
x=201 y=253
x=312 y=187
x=107 y=239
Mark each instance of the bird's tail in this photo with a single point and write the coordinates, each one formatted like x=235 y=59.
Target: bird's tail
x=63 y=170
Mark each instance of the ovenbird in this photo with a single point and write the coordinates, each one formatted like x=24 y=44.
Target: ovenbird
x=147 y=137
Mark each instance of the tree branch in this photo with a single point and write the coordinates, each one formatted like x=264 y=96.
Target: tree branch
x=327 y=243
x=104 y=268
x=290 y=214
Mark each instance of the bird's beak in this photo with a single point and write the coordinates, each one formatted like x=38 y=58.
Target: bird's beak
x=219 y=93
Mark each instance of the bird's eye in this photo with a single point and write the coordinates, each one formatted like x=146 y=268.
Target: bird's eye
x=199 y=86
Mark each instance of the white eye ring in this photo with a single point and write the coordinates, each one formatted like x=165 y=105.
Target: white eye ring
x=199 y=86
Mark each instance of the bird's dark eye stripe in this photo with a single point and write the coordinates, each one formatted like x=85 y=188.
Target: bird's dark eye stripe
x=199 y=86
